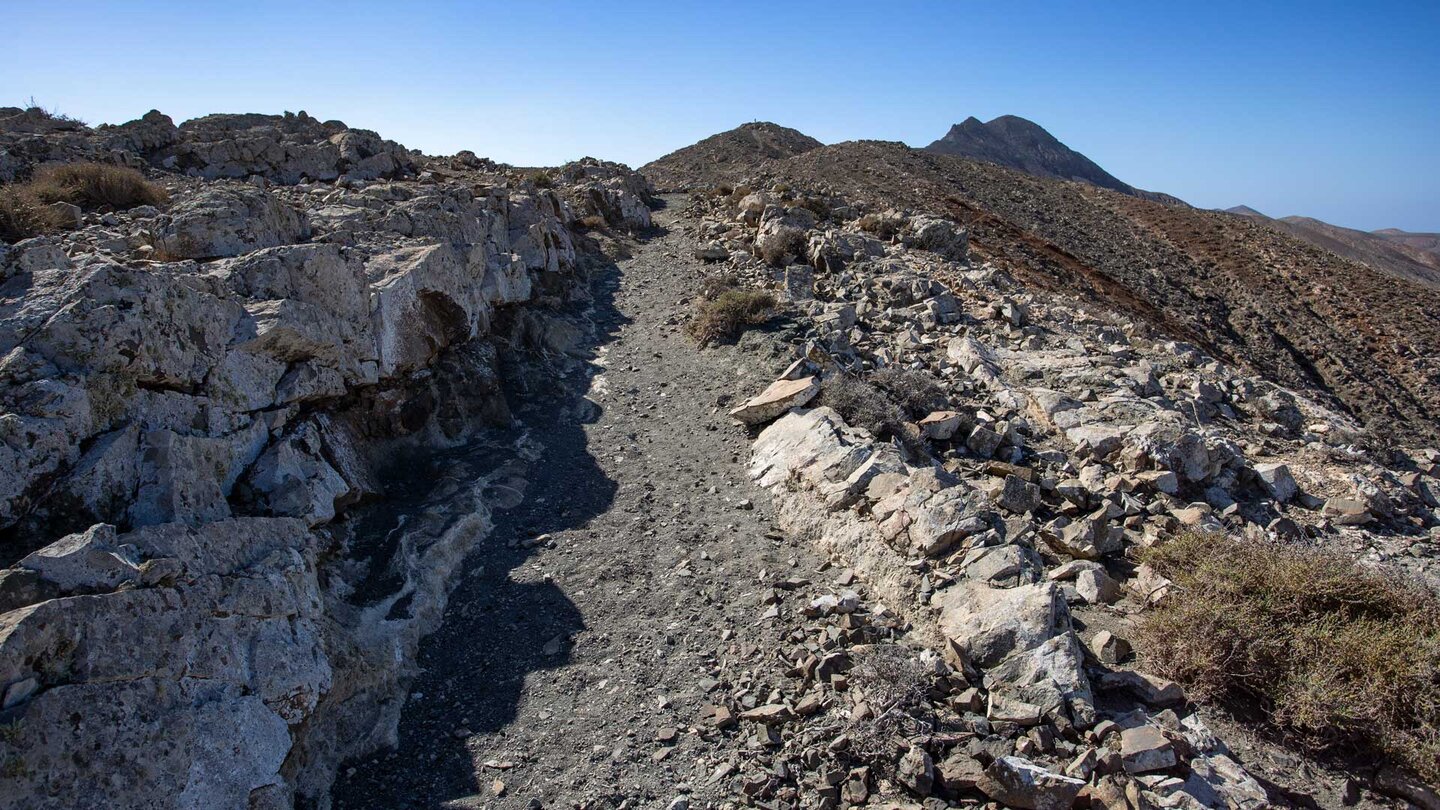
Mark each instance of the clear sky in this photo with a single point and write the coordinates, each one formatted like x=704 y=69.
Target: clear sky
x=1325 y=109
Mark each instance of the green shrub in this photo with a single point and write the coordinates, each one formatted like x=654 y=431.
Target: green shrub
x=94 y=186
x=728 y=313
x=543 y=179
x=1343 y=658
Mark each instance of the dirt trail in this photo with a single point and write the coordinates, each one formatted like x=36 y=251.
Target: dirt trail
x=561 y=663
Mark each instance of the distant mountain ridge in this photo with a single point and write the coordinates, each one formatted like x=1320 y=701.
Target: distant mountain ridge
x=1018 y=143
x=1403 y=254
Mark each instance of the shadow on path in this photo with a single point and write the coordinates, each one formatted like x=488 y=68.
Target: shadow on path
x=503 y=621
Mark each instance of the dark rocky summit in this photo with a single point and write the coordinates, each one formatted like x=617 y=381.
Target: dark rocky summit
x=1018 y=143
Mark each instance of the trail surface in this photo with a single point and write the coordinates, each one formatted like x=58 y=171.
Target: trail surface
x=574 y=671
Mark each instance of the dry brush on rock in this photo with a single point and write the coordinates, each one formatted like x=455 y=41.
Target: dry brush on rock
x=1341 y=657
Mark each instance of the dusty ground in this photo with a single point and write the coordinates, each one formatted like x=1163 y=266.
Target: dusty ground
x=558 y=665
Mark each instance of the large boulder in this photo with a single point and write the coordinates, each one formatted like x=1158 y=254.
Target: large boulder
x=989 y=623
x=228 y=221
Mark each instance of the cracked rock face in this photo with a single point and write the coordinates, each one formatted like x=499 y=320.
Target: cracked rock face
x=193 y=400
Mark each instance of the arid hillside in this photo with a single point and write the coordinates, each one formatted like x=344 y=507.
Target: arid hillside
x=725 y=155
x=1409 y=256
x=1362 y=340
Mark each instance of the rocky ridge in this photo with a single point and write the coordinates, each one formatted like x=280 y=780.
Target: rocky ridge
x=1005 y=537
x=1360 y=341
x=200 y=401
x=1410 y=256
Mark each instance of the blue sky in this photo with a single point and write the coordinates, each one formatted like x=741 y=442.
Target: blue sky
x=1325 y=109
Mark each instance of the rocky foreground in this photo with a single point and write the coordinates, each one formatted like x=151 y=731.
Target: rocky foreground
x=254 y=437
x=1005 y=525
x=192 y=396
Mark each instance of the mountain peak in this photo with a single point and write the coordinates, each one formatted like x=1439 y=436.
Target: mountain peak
x=1019 y=143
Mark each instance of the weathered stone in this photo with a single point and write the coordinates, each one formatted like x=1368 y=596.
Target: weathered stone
x=940 y=425
x=916 y=771
x=990 y=623
x=228 y=221
x=1145 y=749
x=1109 y=648
x=1276 y=479
x=1347 y=511
x=1018 y=782
x=779 y=397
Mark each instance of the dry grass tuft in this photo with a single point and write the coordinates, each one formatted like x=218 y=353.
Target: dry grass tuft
x=23 y=216
x=863 y=405
x=917 y=392
x=894 y=683
x=94 y=186
x=881 y=226
x=1344 y=658
x=723 y=311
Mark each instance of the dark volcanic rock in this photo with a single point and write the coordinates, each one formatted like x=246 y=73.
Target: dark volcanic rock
x=1018 y=143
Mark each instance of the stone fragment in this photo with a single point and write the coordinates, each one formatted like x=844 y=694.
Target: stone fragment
x=1109 y=648
x=1097 y=587
x=940 y=425
x=916 y=771
x=990 y=623
x=779 y=397
x=1347 y=511
x=1276 y=479
x=1144 y=749
x=1018 y=782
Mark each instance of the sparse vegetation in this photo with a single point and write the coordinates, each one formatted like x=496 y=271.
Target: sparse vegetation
x=1343 y=658
x=784 y=246
x=23 y=216
x=95 y=186
x=593 y=222
x=884 y=402
x=724 y=311
x=880 y=226
x=917 y=392
x=894 y=683
x=862 y=405
x=29 y=209
x=815 y=205
x=542 y=179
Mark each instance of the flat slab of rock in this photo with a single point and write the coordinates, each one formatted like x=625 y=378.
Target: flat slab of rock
x=781 y=396
x=1018 y=782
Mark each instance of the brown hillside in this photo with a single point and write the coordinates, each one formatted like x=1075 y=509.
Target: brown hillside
x=721 y=157
x=1299 y=315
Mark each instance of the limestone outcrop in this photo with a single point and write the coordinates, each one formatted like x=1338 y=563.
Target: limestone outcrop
x=195 y=399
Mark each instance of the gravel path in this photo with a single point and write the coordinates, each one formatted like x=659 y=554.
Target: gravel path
x=574 y=672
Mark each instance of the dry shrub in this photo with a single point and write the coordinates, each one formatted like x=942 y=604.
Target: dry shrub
x=788 y=244
x=880 y=226
x=916 y=391
x=543 y=179
x=1345 y=659
x=815 y=205
x=23 y=216
x=593 y=222
x=863 y=405
x=895 y=683
x=728 y=313
x=94 y=186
